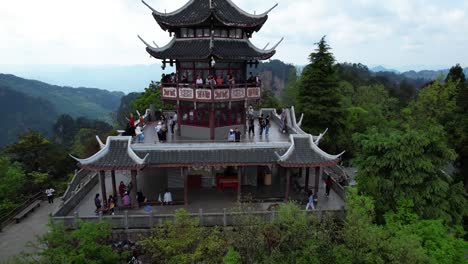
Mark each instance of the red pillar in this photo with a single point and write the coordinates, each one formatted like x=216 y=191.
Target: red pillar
x=133 y=191
x=288 y=184
x=102 y=180
x=114 y=185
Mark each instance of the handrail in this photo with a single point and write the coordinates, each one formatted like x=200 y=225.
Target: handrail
x=205 y=86
x=77 y=179
x=7 y=217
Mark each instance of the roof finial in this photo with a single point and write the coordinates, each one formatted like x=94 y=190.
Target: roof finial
x=152 y=9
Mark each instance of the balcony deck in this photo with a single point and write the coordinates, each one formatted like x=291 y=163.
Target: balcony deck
x=275 y=135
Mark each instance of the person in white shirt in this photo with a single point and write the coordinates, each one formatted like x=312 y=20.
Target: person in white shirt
x=50 y=194
x=199 y=81
x=167 y=197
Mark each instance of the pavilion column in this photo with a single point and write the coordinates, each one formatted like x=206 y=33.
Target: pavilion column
x=114 y=185
x=133 y=191
x=102 y=181
x=318 y=175
x=184 y=172
x=239 y=182
x=307 y=174
x=288 y=184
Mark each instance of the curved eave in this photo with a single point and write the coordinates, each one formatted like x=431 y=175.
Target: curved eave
x=209 y=49
x=309 y=165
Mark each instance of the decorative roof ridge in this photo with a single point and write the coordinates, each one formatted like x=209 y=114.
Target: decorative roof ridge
x=101 y=145
x=264 y=50
x=242 y=11
x=316 y=148
x=167 y=46
x=289 y=151
x=105 y=150
x=212 y=146
x=313 y=146
x=170 y=13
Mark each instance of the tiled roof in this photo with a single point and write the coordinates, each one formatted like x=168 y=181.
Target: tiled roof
x=212 y=157
x=196 y=12
x=119 y=155
x=203 y=48
x=305 y=153
x=115 y=155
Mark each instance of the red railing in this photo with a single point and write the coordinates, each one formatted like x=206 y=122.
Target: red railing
x=207 y=93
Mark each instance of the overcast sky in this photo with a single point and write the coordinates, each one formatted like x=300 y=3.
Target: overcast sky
x=394 y=33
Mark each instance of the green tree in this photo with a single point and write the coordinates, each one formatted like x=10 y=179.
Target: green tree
x=291 y=91
x=319 y=97
x=151 y=96
x=12 y=180
x=395 y=165
x=184 y=241
x=270 y=101
x=87 y=244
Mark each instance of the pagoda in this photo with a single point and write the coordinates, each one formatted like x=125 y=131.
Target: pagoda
x=210 y=38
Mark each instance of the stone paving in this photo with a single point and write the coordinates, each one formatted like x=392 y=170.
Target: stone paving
x=14 y=237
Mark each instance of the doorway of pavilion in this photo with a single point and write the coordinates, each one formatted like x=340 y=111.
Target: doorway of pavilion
x=263 y=184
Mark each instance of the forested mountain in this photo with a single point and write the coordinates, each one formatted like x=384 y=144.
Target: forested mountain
x=77 y=102
x=21 y=112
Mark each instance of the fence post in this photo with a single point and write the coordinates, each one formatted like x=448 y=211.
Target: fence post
x=224 y=217
x=100 y=216
x=126 y=219
x=75 y=221
x=200 y=216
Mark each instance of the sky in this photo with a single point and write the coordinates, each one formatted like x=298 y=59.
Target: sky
x=399 y=34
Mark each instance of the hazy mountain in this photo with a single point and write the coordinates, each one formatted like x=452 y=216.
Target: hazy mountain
x=86 y=102
x=381 y=68
x=125 y=78
x=21 y=112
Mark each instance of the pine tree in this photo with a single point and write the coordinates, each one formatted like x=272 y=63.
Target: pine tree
x=319 y=97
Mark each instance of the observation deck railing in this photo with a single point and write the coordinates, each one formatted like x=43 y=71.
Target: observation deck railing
x=210 y=93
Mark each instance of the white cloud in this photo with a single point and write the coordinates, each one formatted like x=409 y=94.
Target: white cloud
x=392 y=32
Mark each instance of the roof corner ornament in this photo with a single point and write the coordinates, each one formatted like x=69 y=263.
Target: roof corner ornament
x=152 y=9
x=269 y=10
x=101 y=145
x=317 y=141
x=299 y=124
x=277 y=44
x=146 y=43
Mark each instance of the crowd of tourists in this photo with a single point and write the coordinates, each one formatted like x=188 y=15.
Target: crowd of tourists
x=211 y=80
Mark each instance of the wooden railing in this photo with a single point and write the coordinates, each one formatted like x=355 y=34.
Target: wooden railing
x=147 y=221
x=207 y=93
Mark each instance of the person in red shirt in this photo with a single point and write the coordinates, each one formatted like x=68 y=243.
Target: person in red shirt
x=219 y=80
x=131 y=121
x=142 y=121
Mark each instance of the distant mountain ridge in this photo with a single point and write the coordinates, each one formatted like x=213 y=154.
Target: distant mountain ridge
x=87 y=102
x=424 y=74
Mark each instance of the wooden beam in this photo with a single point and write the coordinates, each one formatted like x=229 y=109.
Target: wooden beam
x=114 y=184
x=102 y=181
x=288 y=185
x=133 y=191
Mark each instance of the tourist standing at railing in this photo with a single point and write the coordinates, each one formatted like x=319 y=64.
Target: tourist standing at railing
x=173 y=78
x=237 y=135
x=184 y=79
x=199 y=82
x=251 y=80
x=163 y=78
x=231 y=136
x=251 y=125
x=219 y=80
x=171 y=124
x=258 y=80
